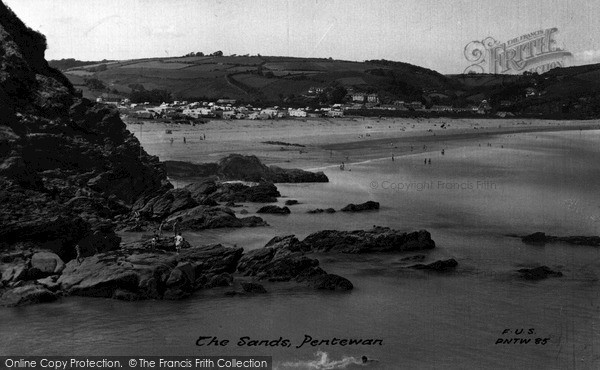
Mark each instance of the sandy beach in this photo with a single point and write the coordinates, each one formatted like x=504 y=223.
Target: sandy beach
x=324 y=142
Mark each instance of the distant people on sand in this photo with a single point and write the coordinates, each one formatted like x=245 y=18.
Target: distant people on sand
x=184 y=141
x=342 y=166
x=429 y=161
x=443 y=151
x=171 y=140
x=392 y=157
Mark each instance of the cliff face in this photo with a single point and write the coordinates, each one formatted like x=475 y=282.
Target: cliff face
x=68 y=168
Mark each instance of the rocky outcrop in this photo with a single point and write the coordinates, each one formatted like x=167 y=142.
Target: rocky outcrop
x=542 y=238
x=68 y=167
x=367 y=206
x=538 y=273
x=203 y=217
x=28 y=294
x=274 y=210
x=47 y=263
x=291 y=202
x=243 y=168
x=146 y=275
x=320 y=210
x=378 y=239
x=439 y=266
x=253 y=287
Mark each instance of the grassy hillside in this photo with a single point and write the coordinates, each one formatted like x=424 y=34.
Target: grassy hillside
x=252 y=78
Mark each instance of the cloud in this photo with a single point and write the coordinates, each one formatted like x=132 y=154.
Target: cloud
x=170 y=31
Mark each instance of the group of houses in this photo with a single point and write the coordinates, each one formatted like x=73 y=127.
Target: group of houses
x=226 y=109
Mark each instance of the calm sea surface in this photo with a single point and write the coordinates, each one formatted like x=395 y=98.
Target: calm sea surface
x=471 y=199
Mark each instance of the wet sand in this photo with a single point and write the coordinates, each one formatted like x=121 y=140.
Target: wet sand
x=323 y=142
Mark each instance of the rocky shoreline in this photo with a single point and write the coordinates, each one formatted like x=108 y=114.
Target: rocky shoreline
x=151 y=269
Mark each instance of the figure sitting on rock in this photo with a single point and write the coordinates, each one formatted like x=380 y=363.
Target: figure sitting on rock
x=178 y=242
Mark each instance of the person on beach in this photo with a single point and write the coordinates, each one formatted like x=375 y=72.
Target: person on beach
x=429 y=162
x=171 y=140
x=160 y=227
x=178 y=242
x=392 y=157
x=184 y=141
x=443 y=151
x=79 y=256
x=425 y=160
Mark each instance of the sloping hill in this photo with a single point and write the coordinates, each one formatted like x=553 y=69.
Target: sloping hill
x=259 y=77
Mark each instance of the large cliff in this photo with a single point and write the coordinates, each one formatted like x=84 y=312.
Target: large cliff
x=67 y=166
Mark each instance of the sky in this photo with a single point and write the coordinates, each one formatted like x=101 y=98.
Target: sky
x=428 y=33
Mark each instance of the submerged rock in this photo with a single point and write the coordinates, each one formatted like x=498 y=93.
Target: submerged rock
x=542 y=238
x=274 y=210
x=253 y=288
x=538 y=273
x=440 y=265
x=367 y=206
x=378 y=239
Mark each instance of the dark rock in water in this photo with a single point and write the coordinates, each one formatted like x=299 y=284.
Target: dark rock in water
x=274 y=210
x=243 y=168
x=378 y=239
x=253 y=221
x=125 y=295
x=285 y=175
x=367 y=206
x=291 y=202
x=320 y=210
x=542 y=238
x=28 y=294
x=535 y=238
x=440 y=265
x=331 y=282
x=593 y=241
x=222 y=280
x=538 y=273
x=253 y=288
x=283 y=259
x=418 y=257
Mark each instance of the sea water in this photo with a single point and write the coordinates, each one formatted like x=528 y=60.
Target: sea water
x=473 y=199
